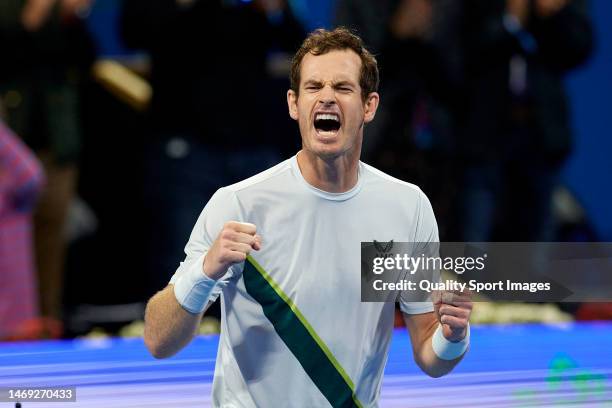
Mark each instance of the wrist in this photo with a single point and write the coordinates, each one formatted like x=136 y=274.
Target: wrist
x=194 y=288
x=209 y=272
x=446 y=349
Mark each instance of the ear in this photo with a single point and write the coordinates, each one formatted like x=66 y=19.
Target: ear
x=371 y=105
x=292 y=104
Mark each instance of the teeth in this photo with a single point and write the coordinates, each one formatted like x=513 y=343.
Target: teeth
x=327 y=116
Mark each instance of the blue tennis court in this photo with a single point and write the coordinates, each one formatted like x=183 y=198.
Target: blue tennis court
x=568 y=365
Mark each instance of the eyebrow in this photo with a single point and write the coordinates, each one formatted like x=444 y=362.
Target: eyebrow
x=335 y=84
x=312 y=82
x=344 y=83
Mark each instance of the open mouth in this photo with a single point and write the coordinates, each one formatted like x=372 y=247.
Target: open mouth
x=327 y=123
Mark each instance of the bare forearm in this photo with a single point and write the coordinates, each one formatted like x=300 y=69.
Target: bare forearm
x=431 y=364
x=168 y=327
x=422 y=329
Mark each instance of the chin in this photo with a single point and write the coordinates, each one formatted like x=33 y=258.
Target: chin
x=327 y=151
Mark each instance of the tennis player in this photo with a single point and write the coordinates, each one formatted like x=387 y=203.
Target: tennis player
x=282 y=248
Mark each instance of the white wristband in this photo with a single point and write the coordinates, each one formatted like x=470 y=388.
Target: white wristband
x=447 y=350
x=193 y=288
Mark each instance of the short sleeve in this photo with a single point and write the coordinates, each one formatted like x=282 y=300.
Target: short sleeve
x=221 y=208
x=427 y=244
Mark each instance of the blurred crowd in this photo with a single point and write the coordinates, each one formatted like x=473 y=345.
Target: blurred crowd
x=473 y=110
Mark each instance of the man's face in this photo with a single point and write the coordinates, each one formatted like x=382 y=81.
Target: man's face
x=330 y=109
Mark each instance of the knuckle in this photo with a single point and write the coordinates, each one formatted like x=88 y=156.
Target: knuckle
x=226 y=234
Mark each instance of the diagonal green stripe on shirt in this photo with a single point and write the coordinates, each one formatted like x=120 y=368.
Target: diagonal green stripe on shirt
x=299 y=336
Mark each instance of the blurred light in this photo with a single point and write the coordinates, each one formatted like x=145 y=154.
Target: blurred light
x=177 y=148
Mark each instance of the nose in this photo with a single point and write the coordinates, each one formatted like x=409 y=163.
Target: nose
x=327 y=95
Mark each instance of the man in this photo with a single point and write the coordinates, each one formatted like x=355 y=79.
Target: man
x=283 y=247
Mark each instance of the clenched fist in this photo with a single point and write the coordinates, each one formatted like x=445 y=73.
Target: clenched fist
x=453 y=310
x=233 y=244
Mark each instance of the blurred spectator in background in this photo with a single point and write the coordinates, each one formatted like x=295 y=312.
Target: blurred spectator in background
x=516 y=133
x=418 y=47
x=21 y=179
x=45 y=53
x=209 y=60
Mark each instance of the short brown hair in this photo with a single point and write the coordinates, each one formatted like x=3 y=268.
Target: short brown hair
x=322 y=41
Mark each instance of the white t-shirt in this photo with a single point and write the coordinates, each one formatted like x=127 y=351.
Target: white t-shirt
x=310 y=255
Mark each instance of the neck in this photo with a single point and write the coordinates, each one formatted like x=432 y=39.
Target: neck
x=334 y=174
